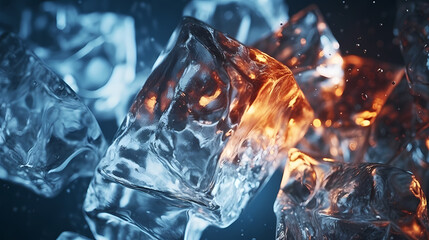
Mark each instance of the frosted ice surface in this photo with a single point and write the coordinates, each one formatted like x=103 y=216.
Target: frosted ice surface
x=48 y=137
x=205 y=132
x=95 y=53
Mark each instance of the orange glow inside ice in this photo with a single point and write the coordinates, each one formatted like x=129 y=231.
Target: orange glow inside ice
x=150 y=104
x=205 y=100
x=365 y=118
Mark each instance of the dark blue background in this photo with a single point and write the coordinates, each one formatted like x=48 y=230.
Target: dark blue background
x=362 y=28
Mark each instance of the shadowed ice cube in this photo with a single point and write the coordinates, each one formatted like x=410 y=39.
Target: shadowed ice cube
x=306 y=45
x=412 y=29
x=245 y=20
x=95 y=53
x=48 y=137
x=321 y=199
x=203 y=135
x=412 y=23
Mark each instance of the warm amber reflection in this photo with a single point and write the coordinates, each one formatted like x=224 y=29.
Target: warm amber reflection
x=205 y=100
x=367 y=89
x=344 y=127
x=312 y=55
x=277 y=98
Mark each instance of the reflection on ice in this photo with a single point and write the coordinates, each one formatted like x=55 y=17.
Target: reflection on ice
x=306 y=45
x=341 y=132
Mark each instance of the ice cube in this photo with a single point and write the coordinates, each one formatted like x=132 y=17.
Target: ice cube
x=412 y=30
x=48 y=137
x=71 y=236
x=322 y=199
x=95 y=53
x=412 y=23
x=306 y=45
x=245 y=20
x=342 y=132
x=205 y=132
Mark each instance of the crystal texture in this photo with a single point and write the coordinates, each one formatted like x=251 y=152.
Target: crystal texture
x=306 y=45
x=48 y=137
x=71 y=236
x=95 y=53
x=342 y=132
x=412 y=31
x=205 y=132
x=322 y=199
x=245 y=20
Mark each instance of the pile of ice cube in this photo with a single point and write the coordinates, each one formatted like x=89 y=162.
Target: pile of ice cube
x=214 y=117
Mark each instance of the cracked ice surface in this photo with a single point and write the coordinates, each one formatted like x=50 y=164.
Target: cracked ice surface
x=48 y=137
x=205 y=132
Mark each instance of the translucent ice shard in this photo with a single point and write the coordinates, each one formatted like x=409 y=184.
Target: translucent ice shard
x=321 y=199
x=306 y=45
x=71 y=236
x=342 y=132
x=95 y=53
x=245 y=20
x=47 y=136
x=203 y=135
x=412 y=30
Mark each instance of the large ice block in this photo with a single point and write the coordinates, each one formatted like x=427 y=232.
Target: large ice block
x=245 y=20
x=306 y=45
x=205 y=132
x=95 y=53
x=48 y=137
x=342 y=132
x=412 y=23
x=322 y=199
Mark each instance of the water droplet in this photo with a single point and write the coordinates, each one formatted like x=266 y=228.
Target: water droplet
x=393 y=83
x=364 y=96
x=380 y=70
x=364 y=51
